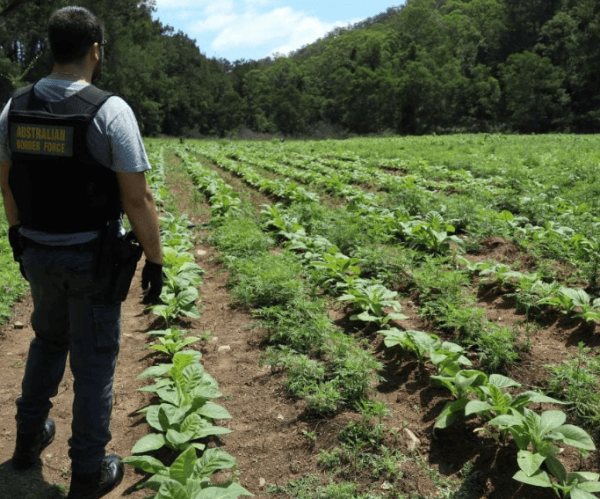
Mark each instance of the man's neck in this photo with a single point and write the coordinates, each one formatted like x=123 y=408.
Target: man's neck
x=71 y=73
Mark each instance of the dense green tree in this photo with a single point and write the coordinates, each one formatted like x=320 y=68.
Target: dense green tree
x=535 y=99
x=428 y=65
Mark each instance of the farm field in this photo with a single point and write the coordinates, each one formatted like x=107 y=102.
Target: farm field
x=367 y=318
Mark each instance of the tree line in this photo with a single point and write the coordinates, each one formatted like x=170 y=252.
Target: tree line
x=426 y=66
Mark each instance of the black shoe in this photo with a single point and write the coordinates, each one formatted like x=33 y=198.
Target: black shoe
x=96 y=485
x=29 y=447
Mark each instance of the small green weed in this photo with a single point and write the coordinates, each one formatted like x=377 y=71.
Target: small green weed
x=266 y=280
x=240 y=237
x=576 y=380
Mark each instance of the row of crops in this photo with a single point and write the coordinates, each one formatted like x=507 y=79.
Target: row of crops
x=352 y=227
x=184 y=413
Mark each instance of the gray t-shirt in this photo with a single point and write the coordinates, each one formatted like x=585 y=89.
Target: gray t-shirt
x=113 y=139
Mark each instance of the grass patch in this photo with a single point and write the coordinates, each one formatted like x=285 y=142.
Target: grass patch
x=576 y=380
x=240 y=237
x=265 y=280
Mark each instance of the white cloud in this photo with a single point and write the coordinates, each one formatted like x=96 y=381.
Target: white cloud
x=254 y=28
x=307 y=31
x=215 y=17
x=229 y=26
x=180 y=4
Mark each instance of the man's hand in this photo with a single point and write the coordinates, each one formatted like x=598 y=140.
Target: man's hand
x=152 y=275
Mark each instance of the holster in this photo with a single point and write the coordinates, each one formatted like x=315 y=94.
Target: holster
x=117 y=258
x=16 y=242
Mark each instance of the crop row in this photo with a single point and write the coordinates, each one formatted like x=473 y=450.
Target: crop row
x=431 y=234
x=508 y=414
x=185 y=413
x=555 y=227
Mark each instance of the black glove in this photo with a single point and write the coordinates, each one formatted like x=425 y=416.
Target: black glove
x=16 y=243
x=152 y=274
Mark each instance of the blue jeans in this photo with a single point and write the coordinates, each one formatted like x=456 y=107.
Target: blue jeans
x=70 y=316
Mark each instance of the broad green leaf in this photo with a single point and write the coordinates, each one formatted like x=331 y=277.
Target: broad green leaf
x=500 y=400
x=529 y=463
x=576 y=437
x=393 y=337
x=585 y=476
x=188 y=296
x=183 y=466
x=167 y=416
x=171 y=489
x=191 y=424
x=182 y=359
x=550 y=420
x=556 y=468
x=155 y=371
x=145 y=463
x=450 y=412
x=539 y=398
x=213 y=460
x=225 y=491
x=160 y=348
x=169 y=395
x=445 y=381
x=579 y=296
x=365 y=317
x=212 y=430
x=502 y=381
x=468 y=378
x=191 y=313
x=203 y=392
x=153 y=418
x=397 y=317
x=213 y=411
x=193 y=375
x=590 y=486
x=193 y=487
x=176 y=438
x=539 y=479
x=506 y=420
x=579 y=493
x=148 y=443
x=476 y=406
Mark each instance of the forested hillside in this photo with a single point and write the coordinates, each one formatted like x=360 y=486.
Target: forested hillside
x=427 y=66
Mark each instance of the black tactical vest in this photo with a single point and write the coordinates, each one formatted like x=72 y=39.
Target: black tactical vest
x=57 y=185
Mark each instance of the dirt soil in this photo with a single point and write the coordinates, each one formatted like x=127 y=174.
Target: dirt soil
x=267 y=438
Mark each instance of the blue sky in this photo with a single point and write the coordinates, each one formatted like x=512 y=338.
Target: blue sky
x=253 y=29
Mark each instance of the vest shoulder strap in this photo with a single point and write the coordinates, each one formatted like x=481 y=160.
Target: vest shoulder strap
x=19 y=101
x=90 y=95
x=94 y=96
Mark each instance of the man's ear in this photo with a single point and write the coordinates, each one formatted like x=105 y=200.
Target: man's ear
x=95 y=52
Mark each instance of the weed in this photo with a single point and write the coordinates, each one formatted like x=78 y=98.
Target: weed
x=330 y=459
x=266 y=280
x=302 y=325
x=576 y=381
x=240 y=237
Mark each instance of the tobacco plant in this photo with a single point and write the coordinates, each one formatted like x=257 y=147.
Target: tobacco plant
x=188 y=477
x=339 y=270
x=542 y=433
x=186 y=413
x=372 y=299
x=172 y=340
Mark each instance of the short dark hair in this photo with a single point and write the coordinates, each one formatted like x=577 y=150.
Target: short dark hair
x=72 y=31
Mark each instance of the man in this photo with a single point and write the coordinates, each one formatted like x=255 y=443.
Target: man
x=62 y=182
